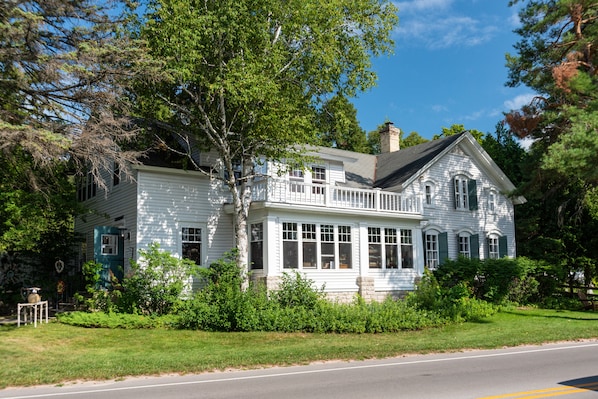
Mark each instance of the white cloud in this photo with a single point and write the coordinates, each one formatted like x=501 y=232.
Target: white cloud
x=519 y=101
x=439 y=108
x=435 y=24
x=422 y=5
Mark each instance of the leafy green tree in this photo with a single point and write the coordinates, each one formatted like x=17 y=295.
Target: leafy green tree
x=413 y=139
x=338 y=126
x=245 y=79
x=457 y=129
x=506 y=151
x=556 y=56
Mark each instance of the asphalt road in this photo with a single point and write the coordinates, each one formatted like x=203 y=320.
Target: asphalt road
x=565 y=370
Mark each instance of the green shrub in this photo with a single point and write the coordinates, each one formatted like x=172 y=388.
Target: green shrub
x=156 y=283
x=296 y=290
x=97 y=298
x=114 y=320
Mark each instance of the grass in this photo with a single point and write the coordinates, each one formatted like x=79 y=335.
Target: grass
x=57 y=353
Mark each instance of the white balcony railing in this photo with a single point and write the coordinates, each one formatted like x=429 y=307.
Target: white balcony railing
x=323 y=195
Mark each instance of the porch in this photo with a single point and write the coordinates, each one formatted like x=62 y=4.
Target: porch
x=329 y=196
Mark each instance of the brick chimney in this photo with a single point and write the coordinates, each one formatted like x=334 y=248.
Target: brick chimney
x=389 y=138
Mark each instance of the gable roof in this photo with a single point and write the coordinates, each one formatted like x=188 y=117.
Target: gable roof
x=395 y=168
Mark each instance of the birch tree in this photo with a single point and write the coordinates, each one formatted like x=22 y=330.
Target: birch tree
x=246 y=77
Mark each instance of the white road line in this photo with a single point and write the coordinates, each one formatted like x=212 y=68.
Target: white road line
x=292 y=373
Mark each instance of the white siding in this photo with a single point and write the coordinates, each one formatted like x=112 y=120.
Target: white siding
x=169 y=201
x=481 y=221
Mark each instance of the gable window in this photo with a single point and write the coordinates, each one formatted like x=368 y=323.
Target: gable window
x=257 y=245
x=491 y=202
x=318 y=177
x=191 y=244
x=428 y=194
x=310 y=255
x=465 y=193
x=290 y=245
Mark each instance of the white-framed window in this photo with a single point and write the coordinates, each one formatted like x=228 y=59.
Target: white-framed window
x=491 y=201
x=493 y=251
x=191 y=244
x=296 y=180
x=110 y=244
x=406 y=249
x=461 y=197
x=429 y=194
x=257 y=245
x=323 y=246
x=397 y=251
x=374 y=248
x=290 y=245
x=465 y=193
x=86 y=187
x=432 y=255
x=345 y=248
x=463 y=245
x=310 y=245
x=318 y=177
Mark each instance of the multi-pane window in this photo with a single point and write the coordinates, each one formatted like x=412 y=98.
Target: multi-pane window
x=191 y=244
x=318 y=176
x=428 y=193
x=397 y=251
x=406 y=249
x=491 y=202
x=327 y=246
x=344 y=247
x=432 y=254
x=290 y=246
x=310 y=242
x=464 y=245
x=493 y=249
x=323 y=246
x=116 y=175
x=461 y=197
x=375 y=247
x=391 y=248
x=296 y=180
x=86 y=187
x=257 y=245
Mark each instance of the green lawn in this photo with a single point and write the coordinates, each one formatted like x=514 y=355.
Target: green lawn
x=55 y=353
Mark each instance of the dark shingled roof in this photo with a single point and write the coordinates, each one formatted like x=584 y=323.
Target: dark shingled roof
x=394 y=168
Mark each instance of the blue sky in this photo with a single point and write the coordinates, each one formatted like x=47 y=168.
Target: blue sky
x=448 y=68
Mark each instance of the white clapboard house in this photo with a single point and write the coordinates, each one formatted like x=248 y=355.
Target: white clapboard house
x=355 y=223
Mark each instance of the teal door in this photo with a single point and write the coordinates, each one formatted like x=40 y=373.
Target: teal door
x=108 y=250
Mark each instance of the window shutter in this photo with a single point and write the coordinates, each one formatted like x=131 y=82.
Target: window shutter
x=454 y=192
x=474 y=246
x=502 y=247
x=443 y=253
x=425 y=246
x=472 y=193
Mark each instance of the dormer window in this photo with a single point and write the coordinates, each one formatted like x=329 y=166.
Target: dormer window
x=465 y=193
x=318 y=176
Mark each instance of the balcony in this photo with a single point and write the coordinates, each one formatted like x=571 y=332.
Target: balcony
x=328 y=196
